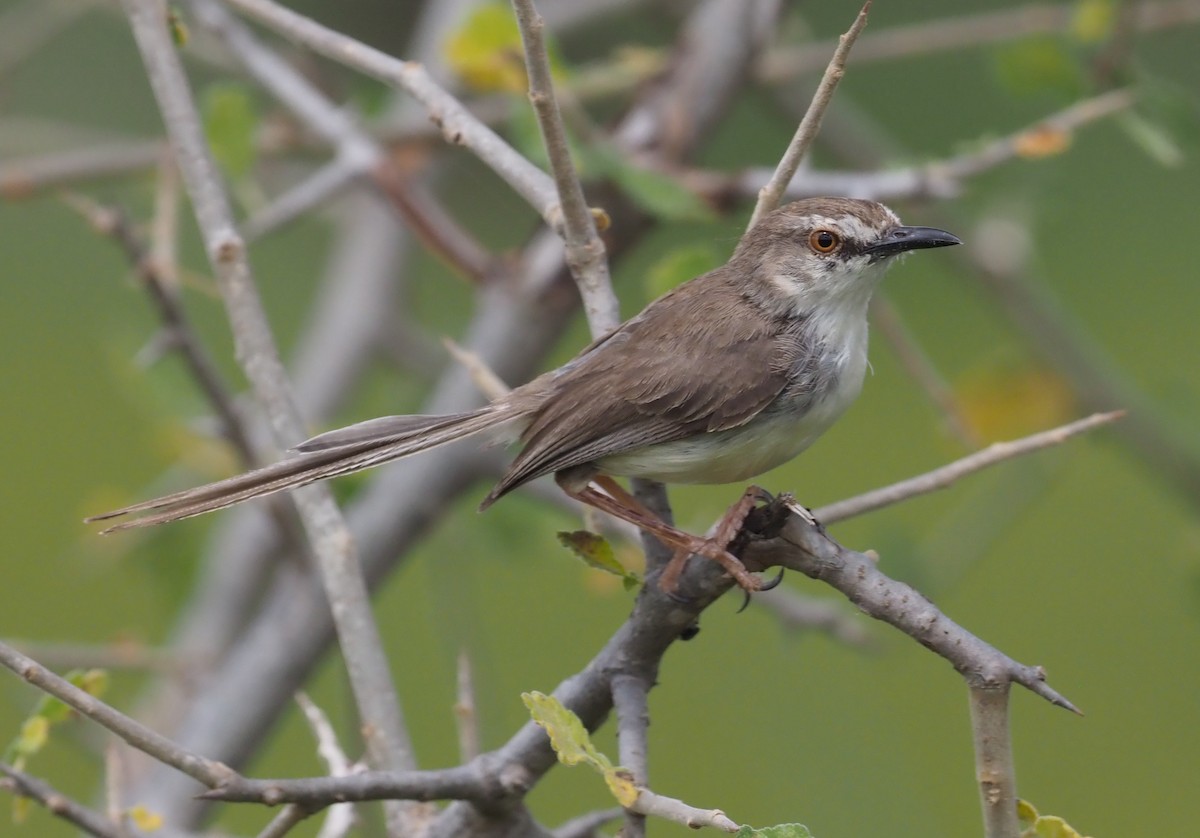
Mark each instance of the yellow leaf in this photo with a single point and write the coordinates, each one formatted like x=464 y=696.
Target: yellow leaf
x=20 y=809
x=622 y=786
x=486 y=50
x=1006 y=401
x=1043 y=141
x=1027 y=814
x=568 y=737
x=144 y=819
x=1093 y=20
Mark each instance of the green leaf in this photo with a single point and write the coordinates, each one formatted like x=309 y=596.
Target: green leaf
x=598 y=553
x=1039 y=65
x=568 y=737
x=783 y=830
x=35 y=732
x=570 y=740
x=487 y=54
x=231 y=124
x=679 y=265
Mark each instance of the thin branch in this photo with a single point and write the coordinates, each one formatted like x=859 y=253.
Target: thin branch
x=995 y=770
x=948 y=474
x=458 y=125
x=357 y=154
x=797 y=544
x=585 y=826
x=769 y=196
x=676 y=811
x=630 y=693
x=25 y=177
x=337 y=559
x=919 y=367
x=120 y=655
x=485 y=378
x=57 y=803
x=207 y=771
x=112 y=222
x=585 y=251
x=800 y=612
x=466 y=716
x=970 y=30
x=289 y=816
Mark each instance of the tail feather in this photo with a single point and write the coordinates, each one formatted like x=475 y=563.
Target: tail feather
x=334 y=454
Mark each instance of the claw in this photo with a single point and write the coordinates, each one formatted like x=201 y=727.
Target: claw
x=774 y=583
x=766 y=586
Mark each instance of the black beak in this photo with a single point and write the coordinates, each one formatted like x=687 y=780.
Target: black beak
x=903 y=239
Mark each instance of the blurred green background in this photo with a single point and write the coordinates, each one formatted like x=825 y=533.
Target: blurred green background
x=1081 y=559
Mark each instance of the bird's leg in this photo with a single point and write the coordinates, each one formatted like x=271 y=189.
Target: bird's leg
x=726 y=531
x=621 y=504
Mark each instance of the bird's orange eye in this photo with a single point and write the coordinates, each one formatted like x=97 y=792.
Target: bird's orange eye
x=824 y=241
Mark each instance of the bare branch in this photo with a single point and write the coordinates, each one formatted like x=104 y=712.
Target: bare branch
x=466 y=718
x=458 y=125
x=799 y=545
x=800 y=612
x=288 y=817
x=585 y=826
x=806 y=132
x=57 y=803
x=25 y=177
x=485 y=378
x=676 y=811
x=207 y=771
x=969 y=30
x=368 y=668
x=112 y=222
x=942 y=477
x=630 y=693
x=585 y=251
x=995 y=770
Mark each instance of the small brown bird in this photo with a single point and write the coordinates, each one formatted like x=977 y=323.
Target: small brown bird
x=727 y=376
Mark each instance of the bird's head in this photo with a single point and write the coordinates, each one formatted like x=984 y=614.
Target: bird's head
x=829 y=250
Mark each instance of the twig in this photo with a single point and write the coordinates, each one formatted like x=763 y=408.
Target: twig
x=466 y=717
x=288 y=817
x=458 y=126
x=340 y=818
x=57 y=803
x=485 y=378
x=119 y=655
x=806 y=132
x=585 y=251
x=207 y=771
x=995 y=770
x=971 y=30
x=357 y=154
x=366 y=663
x=1097 y=380
x=630 y=693
x=942 y=477
x=585 y=826
x=111 y=222
x=676 y=811
x=801 y=546
x=920 y=369
x=25 y=177
x=26 y=28
x=798 y=612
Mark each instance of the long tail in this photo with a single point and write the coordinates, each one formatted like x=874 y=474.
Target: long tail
x=332 y=454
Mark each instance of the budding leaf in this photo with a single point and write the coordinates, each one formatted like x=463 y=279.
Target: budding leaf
x=1039 y=65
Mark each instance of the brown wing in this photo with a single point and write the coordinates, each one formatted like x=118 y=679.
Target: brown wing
x=652 y=381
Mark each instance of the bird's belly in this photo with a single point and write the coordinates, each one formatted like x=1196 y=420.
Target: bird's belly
x=722 y=457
